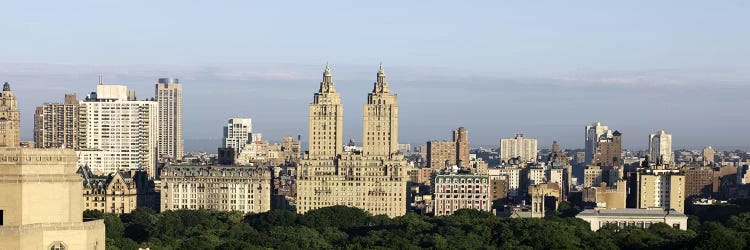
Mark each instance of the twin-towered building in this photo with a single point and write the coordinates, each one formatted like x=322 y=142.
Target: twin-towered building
x=373 y=179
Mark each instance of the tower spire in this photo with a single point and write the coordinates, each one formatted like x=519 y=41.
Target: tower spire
x=101 y=81
x=327 y=84
x=381 y=86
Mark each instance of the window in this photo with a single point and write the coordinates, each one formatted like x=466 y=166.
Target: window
x=1 y=217
x=57 y=245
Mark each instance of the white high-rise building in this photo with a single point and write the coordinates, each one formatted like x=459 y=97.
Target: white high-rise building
x=120 y=132
x=524 y=148
x=660 y=148
x=238 y=133
x=593 y=133
x=169 y=96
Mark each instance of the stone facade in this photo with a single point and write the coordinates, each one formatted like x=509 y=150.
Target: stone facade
x=662 y=190
x=461 y=191
x=40 y=193
x=119 y=193
x=373 y=179
x=222 y=188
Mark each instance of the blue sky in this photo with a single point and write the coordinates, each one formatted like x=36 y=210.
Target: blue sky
x=543 y=68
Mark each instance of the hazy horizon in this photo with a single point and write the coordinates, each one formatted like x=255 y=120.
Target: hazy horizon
x=497 y=68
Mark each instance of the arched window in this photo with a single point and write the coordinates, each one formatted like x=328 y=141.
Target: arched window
x=57 y=245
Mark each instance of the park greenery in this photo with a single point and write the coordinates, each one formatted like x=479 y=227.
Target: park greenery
x=716 y=227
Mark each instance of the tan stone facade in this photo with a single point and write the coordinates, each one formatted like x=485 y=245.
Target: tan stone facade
x=40 y=193
x=374 y=179
x=117 y=193
x=461 y=191
x=223 y=188
x=662 y=190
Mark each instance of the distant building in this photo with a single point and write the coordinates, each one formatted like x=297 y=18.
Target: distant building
x=373 y=179
x=120 y=133
x=660 y=148
x=640 y=218
x=545 y=197
x=60 y=125
x=699 y=181
x=442 y=154
x=608 y=151
x=512 y=175
x=594 y=133
x=606 y=197
x=461 y=138
x=709 y=156
x=222 y=188
x=518 y=147
x=116 y=193
x=461 y=191
x=169 y=96
x=664 y=189
x=238 y=133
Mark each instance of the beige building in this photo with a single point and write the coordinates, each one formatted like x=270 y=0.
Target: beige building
x=59 y=125
x=116 y=193
x=523 y=148
x=544 y=197
x=594 y=133
x=512 y=175
x=222 y=188
x=373 y=179
x=169 y=96
x=607 y=197
x=660 y=148
x=461 y=191
x=641 y=218
x=709 y=155
x=664 y=190
x=441 y=154
x=121 y=133
x=41 y=204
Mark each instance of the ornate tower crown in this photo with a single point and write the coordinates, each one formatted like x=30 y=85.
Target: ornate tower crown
x=326 y=86
x=381 y=86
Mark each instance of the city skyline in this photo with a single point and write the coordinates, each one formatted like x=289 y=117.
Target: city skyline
x=638 y=66
x=277 y=123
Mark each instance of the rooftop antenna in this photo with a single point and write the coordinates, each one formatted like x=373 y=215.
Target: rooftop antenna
x=100 y=80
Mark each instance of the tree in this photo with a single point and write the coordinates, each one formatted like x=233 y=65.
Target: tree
x=715 y=236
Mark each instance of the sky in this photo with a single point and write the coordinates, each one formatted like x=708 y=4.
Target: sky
x=541 y=68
